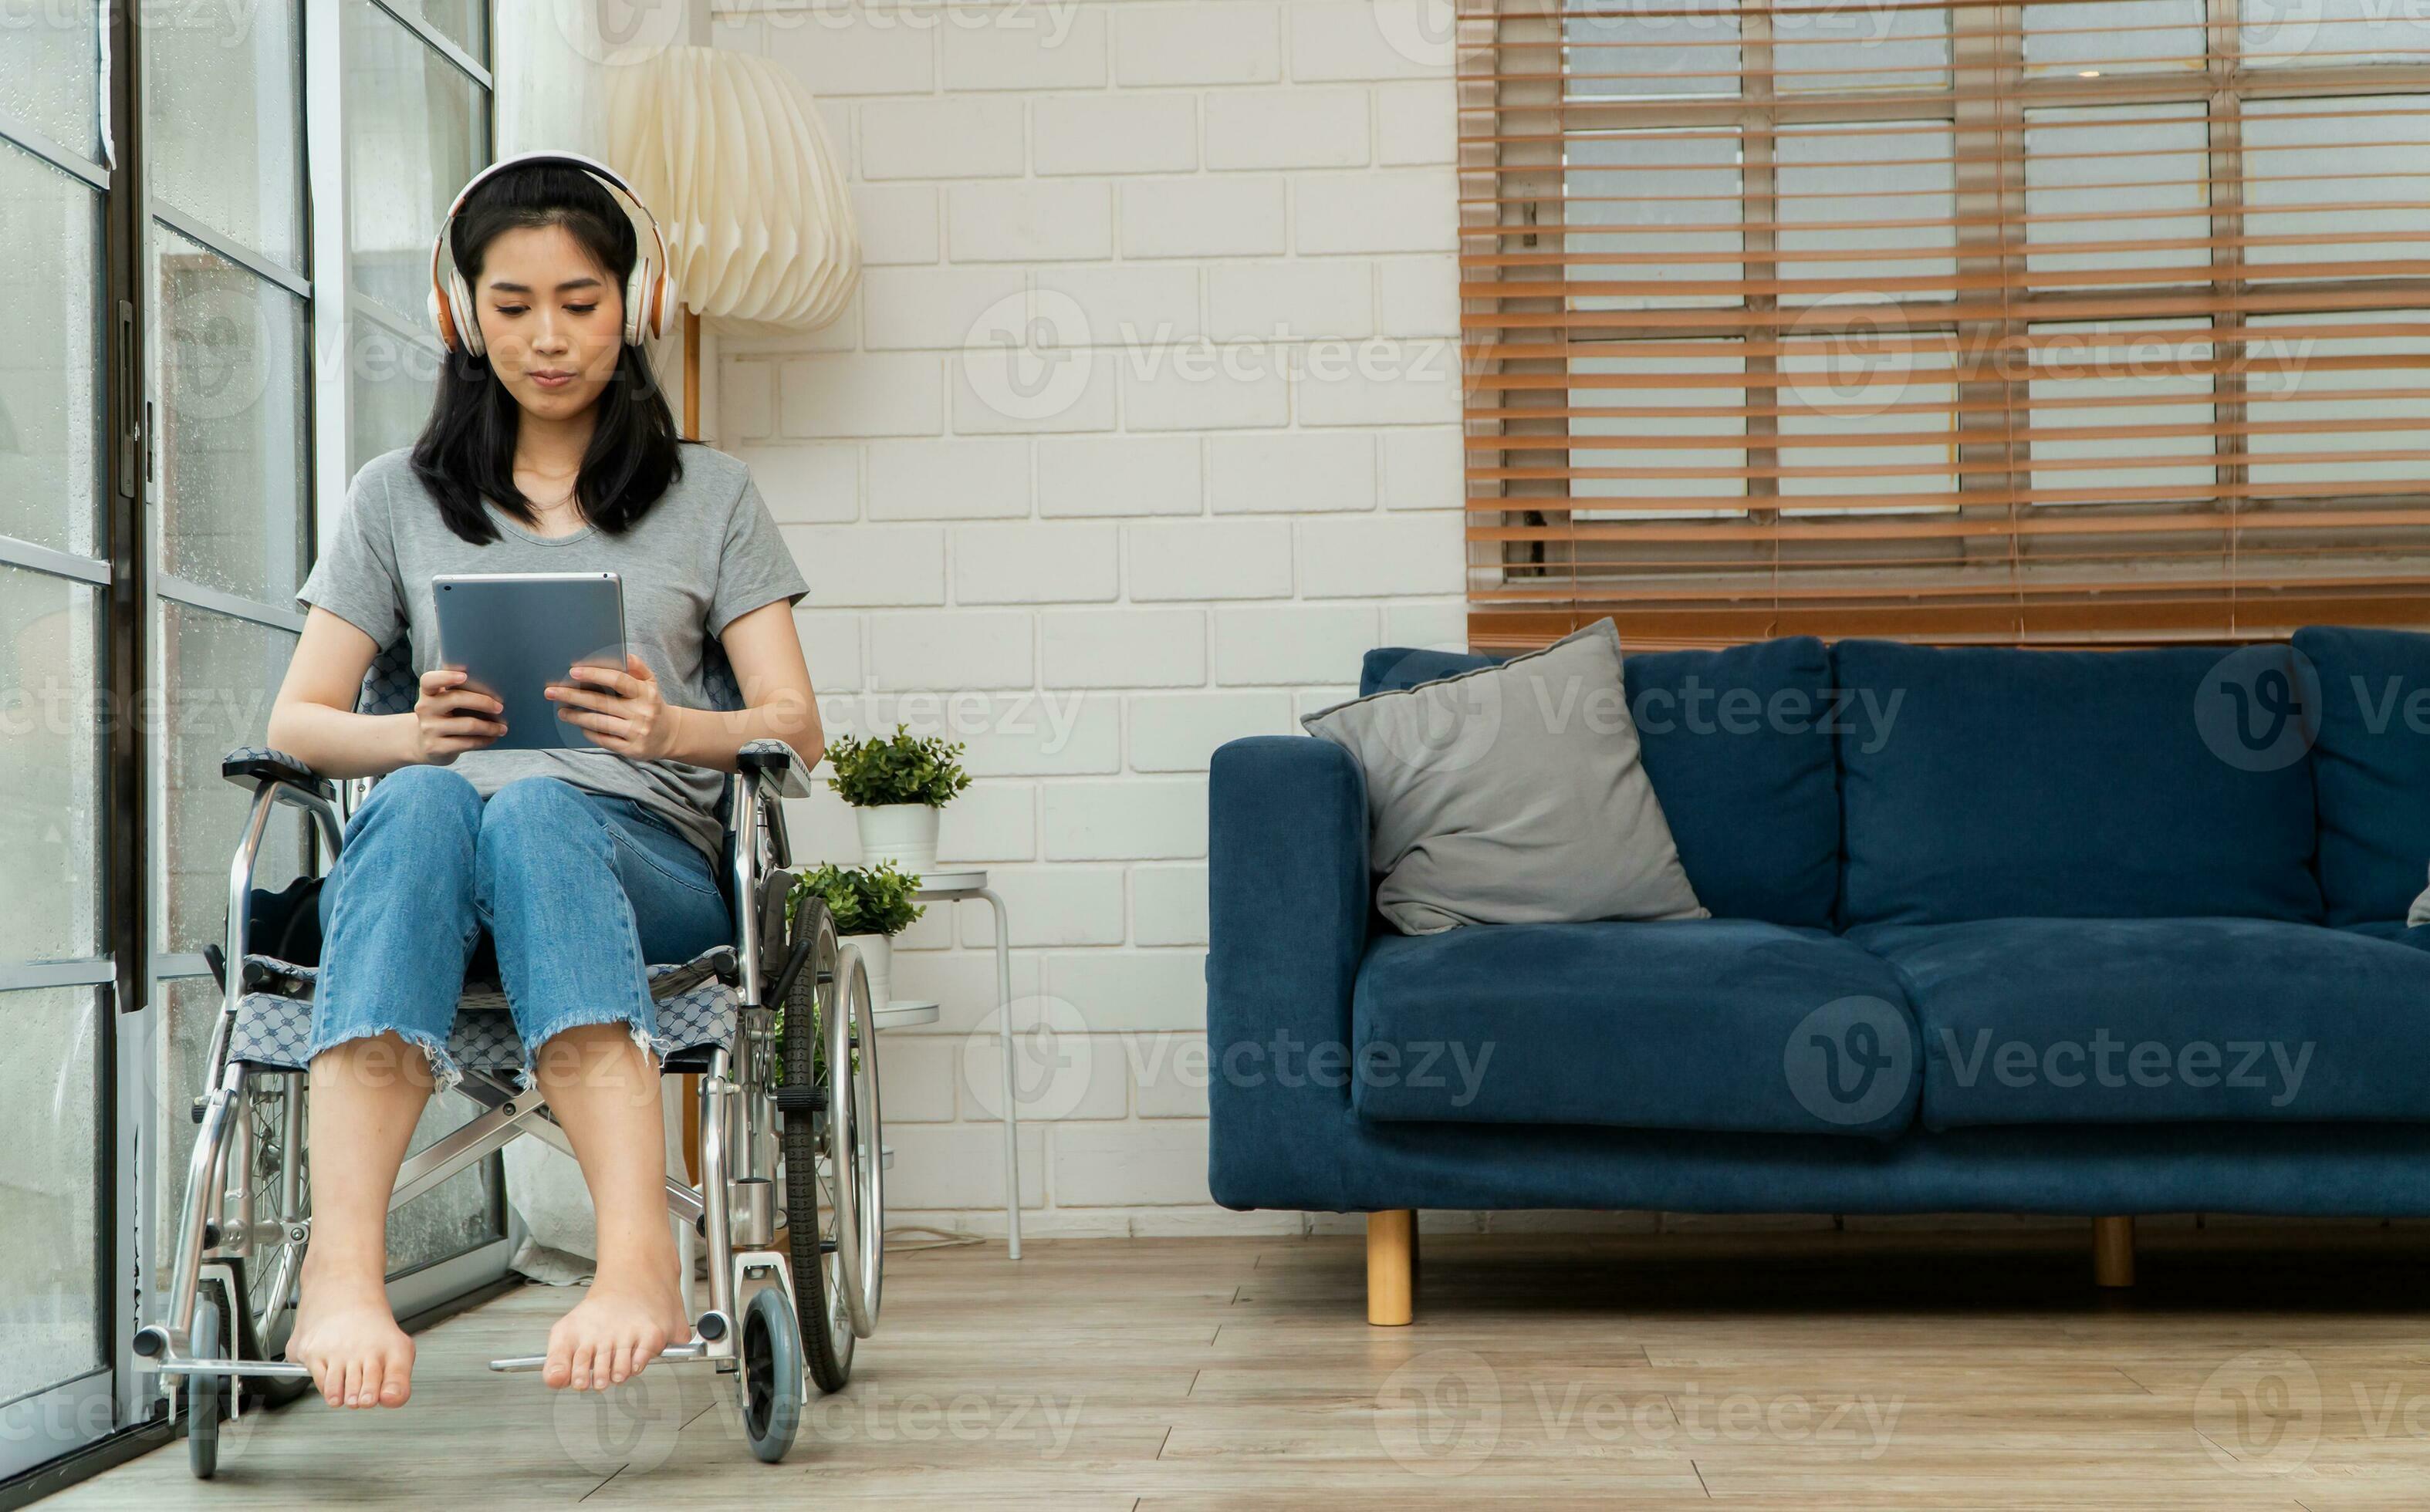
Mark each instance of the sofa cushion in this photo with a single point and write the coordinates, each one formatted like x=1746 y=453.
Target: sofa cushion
x=1988 y=783
x=1711 y=1025
x=1512 y=795
x=1739 y=743
x=2414 y=936
x=2371 y=766
x=2155 y=1021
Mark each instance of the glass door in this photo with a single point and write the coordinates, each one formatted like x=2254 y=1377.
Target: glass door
x=58 y=929
x=228 y=277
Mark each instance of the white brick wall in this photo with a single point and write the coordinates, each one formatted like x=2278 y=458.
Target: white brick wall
x=1144 y=427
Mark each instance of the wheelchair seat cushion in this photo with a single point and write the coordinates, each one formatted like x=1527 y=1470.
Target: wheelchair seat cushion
x=697 y=1001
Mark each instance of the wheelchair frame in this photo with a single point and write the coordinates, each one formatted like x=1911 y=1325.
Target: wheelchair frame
x=734 y=1208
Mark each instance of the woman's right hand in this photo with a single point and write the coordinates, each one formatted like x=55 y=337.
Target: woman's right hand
x=450 y=718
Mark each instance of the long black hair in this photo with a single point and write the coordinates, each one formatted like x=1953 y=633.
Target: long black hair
x=467 y=450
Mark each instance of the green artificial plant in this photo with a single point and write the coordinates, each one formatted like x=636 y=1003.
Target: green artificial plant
x=901 y=769
x=863 y=900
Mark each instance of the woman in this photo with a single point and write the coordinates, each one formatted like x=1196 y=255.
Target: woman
x=549 y=448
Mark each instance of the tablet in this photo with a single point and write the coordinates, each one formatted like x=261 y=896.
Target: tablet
x=515 y=633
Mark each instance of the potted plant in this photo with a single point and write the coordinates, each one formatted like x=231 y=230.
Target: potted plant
x=895 y=786
x=870 y=905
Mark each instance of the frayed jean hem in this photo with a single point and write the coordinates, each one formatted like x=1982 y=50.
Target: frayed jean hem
x=642 y=1025
x=445 y=1073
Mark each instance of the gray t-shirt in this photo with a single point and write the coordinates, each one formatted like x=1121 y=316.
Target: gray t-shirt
x=706 y=553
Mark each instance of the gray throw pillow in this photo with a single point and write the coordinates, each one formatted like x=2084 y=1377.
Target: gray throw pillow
x=1513 y=794
x=2420 y=913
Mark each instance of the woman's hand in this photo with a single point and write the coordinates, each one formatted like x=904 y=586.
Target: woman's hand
x=450 y=718
x=629 y=717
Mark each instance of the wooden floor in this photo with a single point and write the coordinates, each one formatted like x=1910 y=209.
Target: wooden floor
x=1777 y=1371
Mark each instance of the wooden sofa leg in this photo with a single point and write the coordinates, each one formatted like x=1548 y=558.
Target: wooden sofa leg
x=2113 y=1252
x=1391 y=1266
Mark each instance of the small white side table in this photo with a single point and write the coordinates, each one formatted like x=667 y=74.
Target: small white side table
x=952 y=887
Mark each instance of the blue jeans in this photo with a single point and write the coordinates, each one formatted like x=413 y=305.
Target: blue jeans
x=577 y=890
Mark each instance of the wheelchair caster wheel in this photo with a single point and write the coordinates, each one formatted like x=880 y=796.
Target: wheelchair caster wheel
x=771 y=1377
x=203 y=1394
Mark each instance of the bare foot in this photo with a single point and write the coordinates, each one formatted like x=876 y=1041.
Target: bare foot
x=634 y=1309
x=346 y=1333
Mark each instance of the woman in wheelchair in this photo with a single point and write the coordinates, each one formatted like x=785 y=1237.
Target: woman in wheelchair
x=549 y=448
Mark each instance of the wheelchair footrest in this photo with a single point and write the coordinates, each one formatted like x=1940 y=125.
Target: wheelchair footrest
x=711 y=1327
x=287 y=1369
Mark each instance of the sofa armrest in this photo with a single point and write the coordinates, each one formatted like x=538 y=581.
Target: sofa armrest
x=1287 y=896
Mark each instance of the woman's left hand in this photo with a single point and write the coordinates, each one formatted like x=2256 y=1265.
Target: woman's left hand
x=627 y=717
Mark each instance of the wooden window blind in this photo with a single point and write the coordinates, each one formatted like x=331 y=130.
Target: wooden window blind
x=2065 y=322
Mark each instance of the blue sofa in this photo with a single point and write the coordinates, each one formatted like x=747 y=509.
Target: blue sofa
x=2097 y=933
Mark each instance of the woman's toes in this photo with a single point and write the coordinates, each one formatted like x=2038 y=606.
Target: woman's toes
x=396 y=1379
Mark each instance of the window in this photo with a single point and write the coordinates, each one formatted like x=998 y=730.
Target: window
x=2057 y=322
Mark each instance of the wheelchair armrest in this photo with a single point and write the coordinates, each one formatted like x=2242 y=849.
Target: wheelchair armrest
x=249 y=764
x=774 y=763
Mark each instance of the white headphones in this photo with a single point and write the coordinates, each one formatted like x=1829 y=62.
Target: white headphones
x=646 y=293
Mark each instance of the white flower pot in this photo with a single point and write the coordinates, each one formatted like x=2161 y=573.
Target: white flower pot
x=878 y=960
x=904 y=834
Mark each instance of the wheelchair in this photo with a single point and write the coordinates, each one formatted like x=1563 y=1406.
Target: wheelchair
x=779 y=1027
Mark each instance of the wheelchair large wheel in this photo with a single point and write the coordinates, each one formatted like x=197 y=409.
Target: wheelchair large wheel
x=203 y=1392
x=276 y=1103
x=856 y=1155
x=835 y=1224
x=771 y=1377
